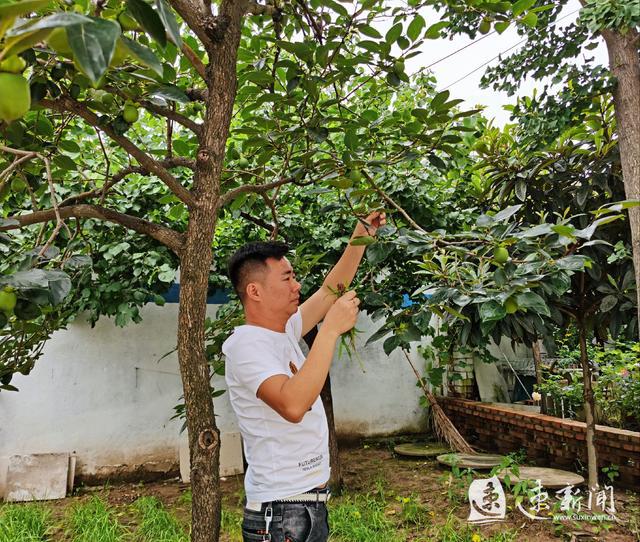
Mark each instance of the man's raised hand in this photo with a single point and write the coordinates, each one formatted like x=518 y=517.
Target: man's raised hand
x=343 y=314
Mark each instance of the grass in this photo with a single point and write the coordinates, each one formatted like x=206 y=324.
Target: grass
x=361 y=518
x=94 y=521
x=24 y=523
x=156 y=524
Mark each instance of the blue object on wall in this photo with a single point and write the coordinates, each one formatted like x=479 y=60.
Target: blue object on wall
x=217 y=298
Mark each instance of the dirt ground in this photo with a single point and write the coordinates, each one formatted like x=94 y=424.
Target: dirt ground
x=372 y=468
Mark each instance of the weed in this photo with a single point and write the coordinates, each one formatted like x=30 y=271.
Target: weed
x=94 y=521
x=24 y=523
x=156 y=524
x=232 y=524
x=361 y=518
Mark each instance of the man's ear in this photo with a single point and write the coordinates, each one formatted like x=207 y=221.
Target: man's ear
x=252 y=291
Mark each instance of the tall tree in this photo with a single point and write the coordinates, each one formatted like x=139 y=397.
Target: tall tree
x=558 y=50
x=279 y=77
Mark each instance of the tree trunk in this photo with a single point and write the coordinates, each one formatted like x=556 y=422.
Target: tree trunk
x=336 y=481
x=589 y=410
x=624 y=64
x=537 y=363
x=204 y=439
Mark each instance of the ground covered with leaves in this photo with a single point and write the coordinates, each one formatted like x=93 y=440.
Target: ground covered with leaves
x=386 y=499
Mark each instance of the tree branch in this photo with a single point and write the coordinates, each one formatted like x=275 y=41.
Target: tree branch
x=65 y=103
x=393 y=204
x=173 y=115
x=164 y=235
x=176 y=161
x=257 y=189
x=193 y=13
x=253 y=8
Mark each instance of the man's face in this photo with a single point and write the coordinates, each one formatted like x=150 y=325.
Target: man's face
x=279 y=288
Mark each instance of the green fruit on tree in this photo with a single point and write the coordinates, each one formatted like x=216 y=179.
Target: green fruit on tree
x=485 y=26
x=15 y=96
x=59 y=43
x=398 y=66
x=510 y=305
x=130 y=113
x=243 y=163
x=119 y=55
x=18 y=184
x=355 y=175
x=107 y=99
x=8 y=300
x=501 y=255
x=13 y=64
x=127 y=22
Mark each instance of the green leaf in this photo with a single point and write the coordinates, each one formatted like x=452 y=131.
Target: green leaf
x=415 y=27
x=394 y=33
x=23 y=7
x=521 y=6
x=608 y=303
x=433 y=32
x=59 y=286
x=573 y=262
x=439 y=99
x=169 y=21
x=17 y=44
x=148 y=19
x=364 y=240
x=506 y=213
x=369 y=31
x=169 y=92
x=65 y=18
x=335 y=6
x=491 y=311
x=501 y=26
x=93 y=45
x=530 y=20
x=301 y=50
x=533 y=302
x=64 y=162
x=145 y=55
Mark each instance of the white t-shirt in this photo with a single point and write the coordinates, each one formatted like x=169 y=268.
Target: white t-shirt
x=284 y=458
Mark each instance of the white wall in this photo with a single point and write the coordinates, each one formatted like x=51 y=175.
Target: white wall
x=104 y=394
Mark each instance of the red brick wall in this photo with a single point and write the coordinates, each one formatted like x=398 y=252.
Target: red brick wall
x=549 y=441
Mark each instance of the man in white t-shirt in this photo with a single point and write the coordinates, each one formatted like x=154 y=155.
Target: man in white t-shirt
x=275 y=391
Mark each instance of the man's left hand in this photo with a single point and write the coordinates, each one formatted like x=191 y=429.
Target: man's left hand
x=370 y=225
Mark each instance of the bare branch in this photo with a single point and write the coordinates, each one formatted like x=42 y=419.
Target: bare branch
x=173 y=115
x=393 y=204
x=59 y=221
x=194 y=59
x=254 y=8
x=168 y=237
x=65 y=103
x=255 y=188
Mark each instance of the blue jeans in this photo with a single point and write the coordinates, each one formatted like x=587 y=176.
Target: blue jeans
x=291 y=522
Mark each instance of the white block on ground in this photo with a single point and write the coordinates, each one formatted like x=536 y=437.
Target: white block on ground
x=230 y=455
x=37 y=477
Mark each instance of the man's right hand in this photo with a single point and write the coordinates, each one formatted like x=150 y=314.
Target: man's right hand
x=343 y=313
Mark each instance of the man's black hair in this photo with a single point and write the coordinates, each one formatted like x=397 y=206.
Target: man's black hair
x=250 y=257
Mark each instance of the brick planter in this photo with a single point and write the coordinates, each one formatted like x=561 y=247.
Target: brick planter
x=549 y=441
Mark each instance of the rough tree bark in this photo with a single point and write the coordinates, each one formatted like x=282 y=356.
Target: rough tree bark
x=196 y=260
x=589 y=412
x=336 y=481
x=624 y=64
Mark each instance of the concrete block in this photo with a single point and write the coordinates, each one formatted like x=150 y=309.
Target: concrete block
x=231 y=461
x=37 y=477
